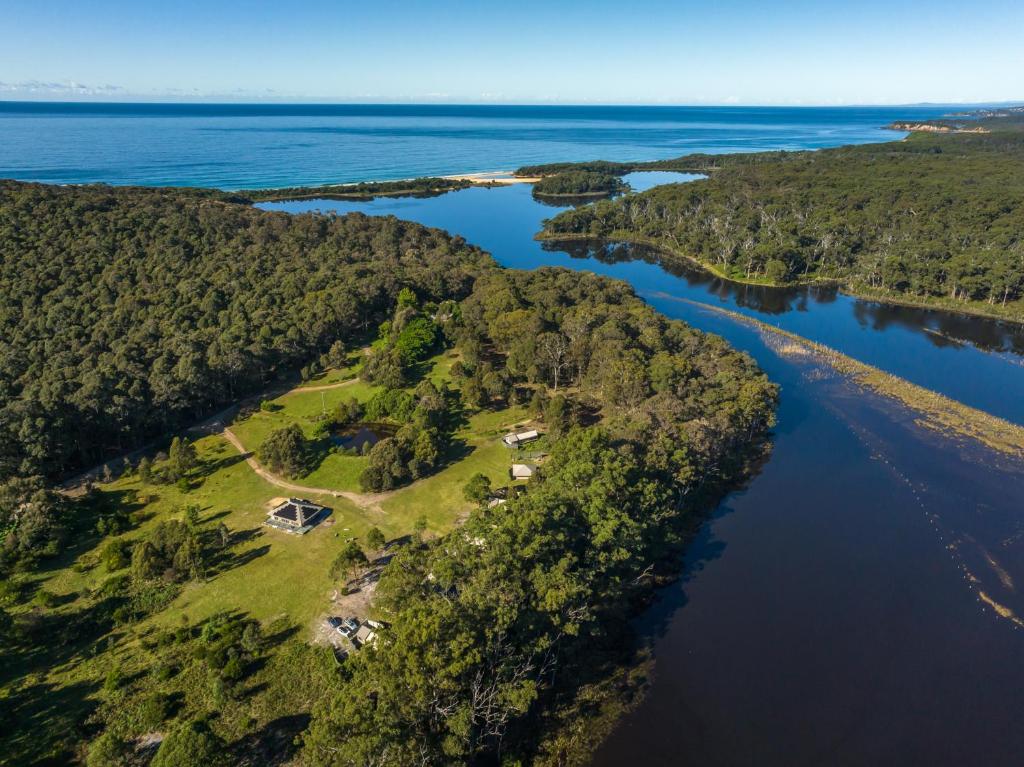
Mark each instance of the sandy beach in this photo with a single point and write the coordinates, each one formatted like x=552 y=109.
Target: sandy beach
x=494 y=177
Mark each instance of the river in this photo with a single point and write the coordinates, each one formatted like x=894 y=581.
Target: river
x=856 y=603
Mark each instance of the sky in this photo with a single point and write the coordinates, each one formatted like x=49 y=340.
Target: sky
x=515 y=51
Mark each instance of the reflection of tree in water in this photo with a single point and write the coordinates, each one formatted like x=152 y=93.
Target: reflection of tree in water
x=759 y=298
x=942 y=328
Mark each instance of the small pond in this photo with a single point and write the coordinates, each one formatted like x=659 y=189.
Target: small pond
x=356 y=436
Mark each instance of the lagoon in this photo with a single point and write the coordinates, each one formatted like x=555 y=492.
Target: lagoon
x=842 y=608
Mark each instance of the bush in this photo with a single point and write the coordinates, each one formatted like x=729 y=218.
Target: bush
x=153 y=711
x=115 y=554
x=189 y=745
x=107 y=750
x=284 y=451
x=478 y=489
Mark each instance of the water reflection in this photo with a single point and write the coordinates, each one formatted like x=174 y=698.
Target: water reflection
x=941 y=328
x=973 y=360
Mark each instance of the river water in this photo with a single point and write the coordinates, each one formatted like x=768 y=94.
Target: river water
x=856 y=603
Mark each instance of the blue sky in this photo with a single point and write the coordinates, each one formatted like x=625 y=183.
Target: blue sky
x=517 y=51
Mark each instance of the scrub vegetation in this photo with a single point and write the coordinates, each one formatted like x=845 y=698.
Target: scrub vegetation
x=366 y=190
x=579 y=183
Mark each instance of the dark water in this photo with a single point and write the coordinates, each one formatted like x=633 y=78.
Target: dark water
x=946 y=352
x=236 y=146
x=835 y=611
x=354 y=438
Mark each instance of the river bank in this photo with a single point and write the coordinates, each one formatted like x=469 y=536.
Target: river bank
x=937 y=411
x=1014 y=313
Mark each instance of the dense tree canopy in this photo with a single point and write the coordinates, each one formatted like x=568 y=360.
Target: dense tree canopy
x=932 y=216
x=494 y=626
x=579 y=182
x=130 y=311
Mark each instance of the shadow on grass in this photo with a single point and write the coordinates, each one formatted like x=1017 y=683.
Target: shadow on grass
x=211 y=467
x=119 y=506
x=274 y=743
x=41 y=724
x=229 y=560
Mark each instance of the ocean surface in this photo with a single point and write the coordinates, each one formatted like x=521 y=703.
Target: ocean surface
x=239 y=146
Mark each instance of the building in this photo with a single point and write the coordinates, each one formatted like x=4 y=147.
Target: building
x=522 y=471
x=518 y=440
x=365 y=636
x=295 y=515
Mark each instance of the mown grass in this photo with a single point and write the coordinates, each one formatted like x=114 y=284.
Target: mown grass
x=279 y=579
x=480 y=450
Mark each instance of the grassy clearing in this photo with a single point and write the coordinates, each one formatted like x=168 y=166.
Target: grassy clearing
x=279 y=579
x=276 y=574
x=439 y=497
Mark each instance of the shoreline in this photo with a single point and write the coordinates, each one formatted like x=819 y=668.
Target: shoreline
x=937 y=411
x=493 y=178
x=915 y=302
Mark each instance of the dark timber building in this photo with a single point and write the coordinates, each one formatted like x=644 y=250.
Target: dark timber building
x=296 y=515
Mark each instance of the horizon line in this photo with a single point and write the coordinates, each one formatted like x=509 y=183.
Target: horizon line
x=212 y=101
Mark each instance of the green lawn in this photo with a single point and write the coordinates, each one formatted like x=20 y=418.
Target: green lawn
x=267 y=574
x=439 y=497
x=270 y=564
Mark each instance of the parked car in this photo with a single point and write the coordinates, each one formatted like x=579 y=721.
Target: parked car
x=347 y=627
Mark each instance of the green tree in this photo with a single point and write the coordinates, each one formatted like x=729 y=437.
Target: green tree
x=349 y=562
x=477 y=489
x=284 y=451
x=115 y=554
x=190 y=744
x=146 y=561
x=182 y=457
x=145 y=471
x=375 y=539
x=387 y=467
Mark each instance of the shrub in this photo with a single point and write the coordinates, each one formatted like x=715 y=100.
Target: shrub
x=477 y=489
x=190 y=744
x=115 y=554
x=284 y=451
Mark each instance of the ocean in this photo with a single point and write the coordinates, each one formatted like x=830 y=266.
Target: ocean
x=238 y=146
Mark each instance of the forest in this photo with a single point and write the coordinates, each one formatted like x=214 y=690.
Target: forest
x=501 y=630
x=134 y=311
x=504 y=639
x=936 y=217
x=364 y=190
x=579 y=183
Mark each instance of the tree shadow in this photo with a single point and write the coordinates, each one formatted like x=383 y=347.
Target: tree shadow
x=229 y=560
x=279 y=634
x=82 y=522
x=274 y=743
x=210 y=467
x=41 y=724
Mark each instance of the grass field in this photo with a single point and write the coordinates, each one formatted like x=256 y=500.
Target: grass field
x=276 y=574
x=266 y=574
